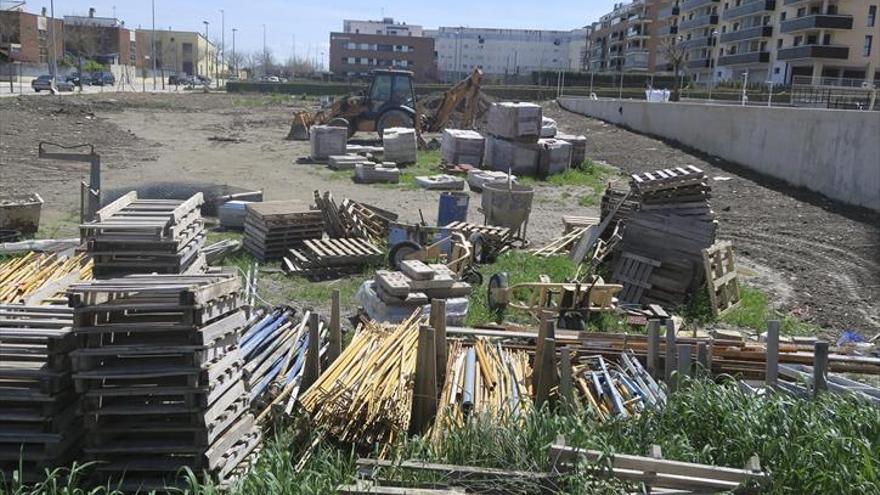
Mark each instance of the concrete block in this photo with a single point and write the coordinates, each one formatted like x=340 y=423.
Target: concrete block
x=518 y=121
x=326 y=141
x=578 y=148
x=476 y=179
x=440 y=182
x=416 y=270
x=344 y=162
x=399 y=145
x=554 y=157
x=548 y=127
x=520 y=158
x=370 y=173
x=460 y=146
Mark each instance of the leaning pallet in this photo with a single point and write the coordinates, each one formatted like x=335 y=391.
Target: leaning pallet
x=322 y=258
x=136 y=235
x=272 y=228
x=39 y=425
x=721 y=278
x=159 y=374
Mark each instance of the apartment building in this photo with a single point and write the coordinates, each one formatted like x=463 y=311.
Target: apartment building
x=178 y=52
x=364 y=46
x=828 y=42
x=103 y=39
x=27 y=38
x=627 y=39
x=506 y=52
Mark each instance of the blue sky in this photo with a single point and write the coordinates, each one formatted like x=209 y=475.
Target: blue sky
x=311 y=21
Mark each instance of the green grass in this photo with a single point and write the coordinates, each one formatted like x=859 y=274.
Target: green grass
x=520 y=267
x=591 y=180
x=754 y=311
x=427 y=163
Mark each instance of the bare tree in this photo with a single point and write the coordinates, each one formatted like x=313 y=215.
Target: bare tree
x=299 y=66
x=676 y=54
x=265 y=61
x=85 y=42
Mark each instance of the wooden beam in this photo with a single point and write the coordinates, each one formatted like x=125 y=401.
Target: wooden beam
x=565 y=384
x=313 y=358
x=548 y=372
x=653 y=360
x=438 y=322
x=772 y=371
x=820 y=368
x=424 y=403
x=334 y=344
x=669 y=362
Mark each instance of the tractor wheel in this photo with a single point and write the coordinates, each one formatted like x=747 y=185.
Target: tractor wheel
x=498 y=282
x=473 y=277
x=571 y=321
x=400 y=251
x=477 y=247
x=341 y=122
x=393 y=118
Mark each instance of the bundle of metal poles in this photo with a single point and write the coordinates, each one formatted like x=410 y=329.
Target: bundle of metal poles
x=23 y=276
x=483 y=379
x=365 y=396
x=274 y=347
x=616 y=390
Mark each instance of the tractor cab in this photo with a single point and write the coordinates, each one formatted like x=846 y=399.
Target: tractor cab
x=390 y=101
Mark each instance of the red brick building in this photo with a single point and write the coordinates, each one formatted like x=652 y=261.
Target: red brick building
x=357 y=54
x=27 y=37
x=103 y=39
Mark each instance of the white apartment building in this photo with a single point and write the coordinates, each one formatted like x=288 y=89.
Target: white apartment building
x=385 y=27
x=503 y=52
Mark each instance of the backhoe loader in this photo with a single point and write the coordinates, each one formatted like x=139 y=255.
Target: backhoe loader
x=390 y=101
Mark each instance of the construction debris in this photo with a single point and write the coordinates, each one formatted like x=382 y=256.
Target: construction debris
x=331 y=258
x=400 y=146
x=272 y=228
x=483 y=380
x=137 y=235
x=372 y=173
x=459 y=146
x=39 y=424
x=159 y=373
x=326 y=141
x=215 y=253
x=37 y=278
x=610 y=390
x=721 y=277
x=440 y=182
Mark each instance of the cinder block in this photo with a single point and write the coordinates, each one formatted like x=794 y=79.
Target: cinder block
x=516 y=121
x=578 y=148
x=460 y=146
x=521 y=158
x=554 y=156
x=399 y=145
x=327 y=140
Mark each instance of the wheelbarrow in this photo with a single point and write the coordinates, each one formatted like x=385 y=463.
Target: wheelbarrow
x=571 y=302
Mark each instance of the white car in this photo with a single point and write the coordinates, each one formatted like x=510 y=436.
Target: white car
x=273 y=79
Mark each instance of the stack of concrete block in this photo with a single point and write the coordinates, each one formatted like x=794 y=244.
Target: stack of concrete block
x=417 y=283
x=554 y=156
x=578 y=148
x=460 y=146
x=373 y=173
x=326 y=141
x=344 y=162
x=503 y=155
x=516 y=121
x=399 y=145
x=440 y=182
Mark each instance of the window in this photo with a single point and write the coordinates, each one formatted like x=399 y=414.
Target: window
x=779 y=43
x=869 y=39
x=776 y=70
x=872 y=15
x=782 y=17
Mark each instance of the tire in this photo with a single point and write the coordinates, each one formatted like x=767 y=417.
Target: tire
x=400 y=251
x=478 y=247
x=393 y=118
x=497 y=281
x=473 y=277
x=571 y=321
x=341 y=122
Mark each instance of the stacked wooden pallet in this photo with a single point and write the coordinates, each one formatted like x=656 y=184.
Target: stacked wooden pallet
x=136 y=235
x=159 y=373
x=323 y=258
x=39 y=427
x=662 y=246
x=367 y=221
x=272 y=228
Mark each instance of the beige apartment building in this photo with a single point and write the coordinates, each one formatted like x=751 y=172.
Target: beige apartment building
x=178 y=52
x=626 y=39
x=827 y=42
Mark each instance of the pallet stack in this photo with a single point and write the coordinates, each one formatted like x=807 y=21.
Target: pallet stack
x=327 y=258
x=136 y=235
x=159 y=374
x=663 y=241
x=39 y=426
x=272 y=228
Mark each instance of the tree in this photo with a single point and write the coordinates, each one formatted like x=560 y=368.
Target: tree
x=298 y=67
x=676 y=54
x=264 y=61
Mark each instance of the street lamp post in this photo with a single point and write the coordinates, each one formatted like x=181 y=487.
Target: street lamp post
x=234 y=58
x=207 y=44
x=265 y=58
x=222 y=44
x=713 y=64
x=54 y=45
x=153 y=43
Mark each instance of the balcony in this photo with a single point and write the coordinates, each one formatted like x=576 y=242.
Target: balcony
x=750 y=8
x=698 y=22
x=697 y=42
x=669 y=30
x=793 y=2
x=671 y=11
x=813 y=51
x=636 y=33
x=818 y=21
x=695 y=4
x=745 y=58
x=703 y=63
x=747 y=34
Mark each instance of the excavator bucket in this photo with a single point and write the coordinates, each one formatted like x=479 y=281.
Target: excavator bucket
x=299 y=129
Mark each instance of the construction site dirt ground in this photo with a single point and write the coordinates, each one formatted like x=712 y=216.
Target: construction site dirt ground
x=816 y=259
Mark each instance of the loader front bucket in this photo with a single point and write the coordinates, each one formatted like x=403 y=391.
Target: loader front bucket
x=299 y=129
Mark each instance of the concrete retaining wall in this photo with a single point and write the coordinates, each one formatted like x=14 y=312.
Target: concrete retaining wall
x=833 y=152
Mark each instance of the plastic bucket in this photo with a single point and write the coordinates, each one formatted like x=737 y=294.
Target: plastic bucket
x=453 y=208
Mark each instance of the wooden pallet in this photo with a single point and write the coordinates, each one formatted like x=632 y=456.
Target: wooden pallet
x=634 y=272
x=561 y=245
x=271 y=228
x=721 y=278
x=668 y=178
x=331 y=257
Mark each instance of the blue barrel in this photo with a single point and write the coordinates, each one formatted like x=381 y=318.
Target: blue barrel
x=453 y=208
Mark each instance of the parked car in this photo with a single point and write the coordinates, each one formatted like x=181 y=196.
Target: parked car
x=273 y=79
x=103 y=79
x=79 y=80
x=44 y=83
